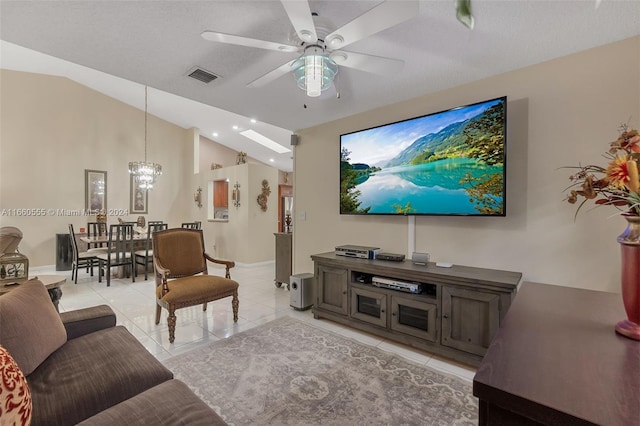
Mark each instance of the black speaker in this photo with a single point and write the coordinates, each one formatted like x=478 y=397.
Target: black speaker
x=294 y=140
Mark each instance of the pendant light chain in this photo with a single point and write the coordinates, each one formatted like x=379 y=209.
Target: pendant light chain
x=145 y=123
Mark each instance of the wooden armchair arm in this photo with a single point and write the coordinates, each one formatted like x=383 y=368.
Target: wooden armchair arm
x=162 y=274
x=228 y=264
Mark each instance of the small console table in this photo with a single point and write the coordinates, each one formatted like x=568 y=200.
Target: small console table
x=557 y=360
x=51 y=282
x=456 y=314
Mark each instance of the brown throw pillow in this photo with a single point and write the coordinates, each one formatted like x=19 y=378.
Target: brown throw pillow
x=15 y=397
x=30 y=327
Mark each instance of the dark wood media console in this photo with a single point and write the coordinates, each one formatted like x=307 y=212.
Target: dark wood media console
x=456 y=315
x=557 y=360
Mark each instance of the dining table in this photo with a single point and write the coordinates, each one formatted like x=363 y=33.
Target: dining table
x=105 y=238
x=139 y=241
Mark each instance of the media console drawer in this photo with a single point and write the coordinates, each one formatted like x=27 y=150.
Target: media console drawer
x=456 y=312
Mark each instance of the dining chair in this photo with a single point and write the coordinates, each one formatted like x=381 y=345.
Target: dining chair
x=191 y=225
x=119 y=252
x=96 y=229
x=155 y=222
x=182 y=280
x=80 y=259
x=145 y=257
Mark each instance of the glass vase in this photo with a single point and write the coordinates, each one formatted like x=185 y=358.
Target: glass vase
x=630 y=278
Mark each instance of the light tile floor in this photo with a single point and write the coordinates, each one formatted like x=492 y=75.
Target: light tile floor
x=260 y=302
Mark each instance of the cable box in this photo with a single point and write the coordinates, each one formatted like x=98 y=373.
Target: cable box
x=390 y=256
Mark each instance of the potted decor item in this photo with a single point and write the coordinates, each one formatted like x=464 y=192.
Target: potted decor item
x=617 y=185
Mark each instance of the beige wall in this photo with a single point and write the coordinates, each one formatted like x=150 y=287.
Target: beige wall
x=52 y=129
x=562 y=112
x=213 y=152
x=247 y=236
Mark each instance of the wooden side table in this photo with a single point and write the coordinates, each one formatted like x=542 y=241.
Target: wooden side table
x=558 y=360
x=51 y=282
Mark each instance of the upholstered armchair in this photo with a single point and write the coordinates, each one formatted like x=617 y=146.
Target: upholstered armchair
x=182 y=279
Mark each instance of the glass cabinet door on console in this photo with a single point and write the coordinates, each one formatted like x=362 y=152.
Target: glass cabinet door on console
x=414 y=317
x=332 y=289
x=369 y=306
x=469 y=319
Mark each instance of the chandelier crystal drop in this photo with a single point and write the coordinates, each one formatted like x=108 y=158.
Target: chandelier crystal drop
x=145 y=172
x=314 y=71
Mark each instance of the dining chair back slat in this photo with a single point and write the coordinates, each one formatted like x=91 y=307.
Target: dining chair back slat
x=119 y=251
x=96 y=229
x=192 y=225
x=80 y=259
x=145 y=257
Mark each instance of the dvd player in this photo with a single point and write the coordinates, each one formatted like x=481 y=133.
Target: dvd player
x=396 y=285
x=360 y=252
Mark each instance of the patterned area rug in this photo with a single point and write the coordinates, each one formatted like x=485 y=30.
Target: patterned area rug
x=287 y=372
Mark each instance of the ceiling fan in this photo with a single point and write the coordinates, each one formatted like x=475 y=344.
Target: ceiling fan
x=321 y=50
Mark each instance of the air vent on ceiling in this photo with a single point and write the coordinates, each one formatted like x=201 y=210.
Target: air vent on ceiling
x=202 y=75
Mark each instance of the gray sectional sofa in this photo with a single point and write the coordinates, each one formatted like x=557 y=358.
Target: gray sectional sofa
x=82 y=368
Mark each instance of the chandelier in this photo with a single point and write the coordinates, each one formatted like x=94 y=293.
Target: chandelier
x=314 y=71
x=145 y=172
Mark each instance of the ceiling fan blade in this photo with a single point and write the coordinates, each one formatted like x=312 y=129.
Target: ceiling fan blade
x=245 y=41
x=272 y=75
x=381 y=17
x=369 y=63
x=300 y=16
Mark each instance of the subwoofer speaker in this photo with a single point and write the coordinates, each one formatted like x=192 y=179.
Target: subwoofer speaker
x=301 y=288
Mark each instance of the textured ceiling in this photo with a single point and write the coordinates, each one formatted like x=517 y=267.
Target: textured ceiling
x=156 y=43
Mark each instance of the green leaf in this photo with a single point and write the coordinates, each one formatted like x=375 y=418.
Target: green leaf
x=463 y=13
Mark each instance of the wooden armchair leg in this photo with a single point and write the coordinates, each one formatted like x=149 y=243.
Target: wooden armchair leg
x=158 y=312
x=172 y=325
x=234 y=304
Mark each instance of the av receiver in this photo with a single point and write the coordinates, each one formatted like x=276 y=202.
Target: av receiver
x=396 y=285
x=360 y=252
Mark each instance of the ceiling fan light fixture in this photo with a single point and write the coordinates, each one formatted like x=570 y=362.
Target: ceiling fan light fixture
x=314 y=71
x=339 y=57
x=307 y=36
x=335 y=42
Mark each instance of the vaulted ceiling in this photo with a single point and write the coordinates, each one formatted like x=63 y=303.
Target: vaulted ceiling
x=157 y=43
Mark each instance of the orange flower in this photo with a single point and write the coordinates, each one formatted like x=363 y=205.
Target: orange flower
x=634 y=143
x=617 y=172
x=617 y=184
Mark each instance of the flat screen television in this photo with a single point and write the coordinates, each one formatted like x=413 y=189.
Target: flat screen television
x=446 y=163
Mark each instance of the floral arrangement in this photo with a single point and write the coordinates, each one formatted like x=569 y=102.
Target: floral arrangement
x=617 y=184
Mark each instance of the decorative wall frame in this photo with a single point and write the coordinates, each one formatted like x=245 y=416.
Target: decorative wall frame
x=138 y=199
x=95 y=190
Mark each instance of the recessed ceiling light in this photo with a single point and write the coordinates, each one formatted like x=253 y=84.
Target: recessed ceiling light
x=254 y=121
x=215 y=134
x=271 y=159
x=264 y=141
x=235 y=127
